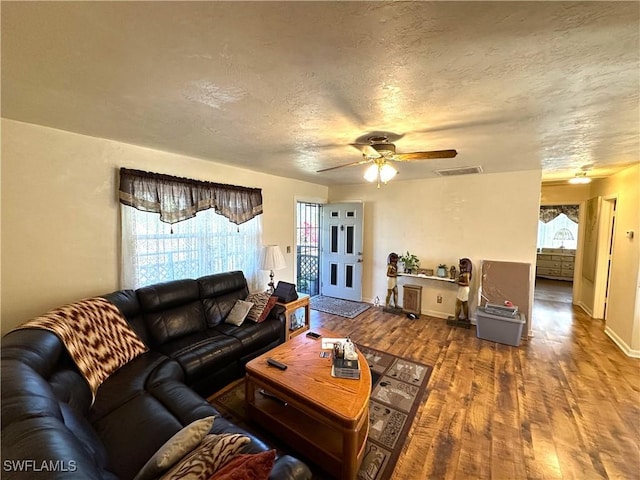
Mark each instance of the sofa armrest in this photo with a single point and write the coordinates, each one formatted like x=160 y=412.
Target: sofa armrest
x=277 y=312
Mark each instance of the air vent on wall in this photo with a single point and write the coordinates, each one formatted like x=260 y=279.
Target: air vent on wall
x=449 y=172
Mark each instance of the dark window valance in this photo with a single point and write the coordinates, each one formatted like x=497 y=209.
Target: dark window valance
x=177 y=199
x=548 y=213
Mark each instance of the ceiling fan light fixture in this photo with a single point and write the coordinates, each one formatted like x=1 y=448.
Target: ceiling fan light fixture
x=371 y=173
x=387 y=172
x=379 y=171
x=580 y=178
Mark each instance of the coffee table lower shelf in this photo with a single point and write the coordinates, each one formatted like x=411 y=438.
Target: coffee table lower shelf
x=337 y=449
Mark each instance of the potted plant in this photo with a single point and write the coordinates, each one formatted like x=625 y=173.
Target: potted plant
x=410 y=262
x=442 y=270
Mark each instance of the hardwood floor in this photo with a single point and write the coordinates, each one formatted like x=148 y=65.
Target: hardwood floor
x=563 y=405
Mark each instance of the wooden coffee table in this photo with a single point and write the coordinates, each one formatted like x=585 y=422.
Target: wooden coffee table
x=325 y=418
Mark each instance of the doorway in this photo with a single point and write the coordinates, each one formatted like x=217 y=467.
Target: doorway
x=308 y=220
x=342 y=245
x=556 y=252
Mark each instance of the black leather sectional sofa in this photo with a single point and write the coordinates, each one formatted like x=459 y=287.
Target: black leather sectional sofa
x=50 y=427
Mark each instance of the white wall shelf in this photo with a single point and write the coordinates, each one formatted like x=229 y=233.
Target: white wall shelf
x=427 y=277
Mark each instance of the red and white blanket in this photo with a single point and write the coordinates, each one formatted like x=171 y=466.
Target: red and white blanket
x=96 y=335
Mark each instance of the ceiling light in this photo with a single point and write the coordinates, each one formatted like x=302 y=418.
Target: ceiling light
x=379 y=171
x=580 y=178
x=371 y=173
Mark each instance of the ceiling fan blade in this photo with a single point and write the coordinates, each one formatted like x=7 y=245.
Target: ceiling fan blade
x=366 y=160
x=407 y=157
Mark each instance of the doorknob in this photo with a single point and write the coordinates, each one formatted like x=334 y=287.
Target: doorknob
x=359 y=260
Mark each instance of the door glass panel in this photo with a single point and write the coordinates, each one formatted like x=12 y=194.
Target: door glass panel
x=335 y=214
x=334 y=239
x=334 y=274
x=349 y=276
x=351 y=214
x=350 y=233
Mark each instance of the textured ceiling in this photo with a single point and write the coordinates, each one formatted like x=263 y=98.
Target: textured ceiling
x=286 y=87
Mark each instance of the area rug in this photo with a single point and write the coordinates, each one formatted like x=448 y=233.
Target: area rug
x=399 y=387
x=338 y=306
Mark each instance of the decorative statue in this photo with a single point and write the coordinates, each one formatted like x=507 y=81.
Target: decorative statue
x=452 y=272
x=462 y=298
x=392 y=279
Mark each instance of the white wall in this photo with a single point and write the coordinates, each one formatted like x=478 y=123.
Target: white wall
x=60 y=214
x=622 y=319
x=482 y=217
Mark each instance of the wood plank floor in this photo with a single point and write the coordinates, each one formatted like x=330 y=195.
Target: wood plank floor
x=563 y=405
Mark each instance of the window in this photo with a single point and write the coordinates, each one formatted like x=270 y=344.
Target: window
x=175 y=228
x=205 y=244
x=561 y=232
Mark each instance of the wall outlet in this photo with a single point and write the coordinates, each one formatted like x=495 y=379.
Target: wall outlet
x=439 y=298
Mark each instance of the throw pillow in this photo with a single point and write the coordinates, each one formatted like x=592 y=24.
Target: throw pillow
x=238 y=313
x=263 y=302
x=247 y=467
x=208 y=457
x=175 y=448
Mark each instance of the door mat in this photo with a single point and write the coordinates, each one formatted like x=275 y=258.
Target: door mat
x=338 y=306
x=399 y=387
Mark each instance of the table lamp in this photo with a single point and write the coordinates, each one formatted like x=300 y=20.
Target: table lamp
x=271 y=259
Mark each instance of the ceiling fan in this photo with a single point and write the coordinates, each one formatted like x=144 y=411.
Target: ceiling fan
x=380 y=151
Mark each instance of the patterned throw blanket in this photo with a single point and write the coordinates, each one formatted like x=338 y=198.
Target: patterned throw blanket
x=96 y=335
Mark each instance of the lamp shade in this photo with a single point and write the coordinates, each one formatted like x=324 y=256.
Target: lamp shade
x=271 y=258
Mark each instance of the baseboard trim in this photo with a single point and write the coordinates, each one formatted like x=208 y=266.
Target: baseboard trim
x=629 y=352
x=586 y=309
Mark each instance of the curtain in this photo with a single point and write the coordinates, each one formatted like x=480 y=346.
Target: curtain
x=154 y=252
x=548 y=213
x=177 y=199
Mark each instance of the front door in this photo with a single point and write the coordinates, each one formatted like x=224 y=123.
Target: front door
x=341 y=257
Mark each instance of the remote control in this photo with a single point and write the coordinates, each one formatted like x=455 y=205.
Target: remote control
x=313 y=335
x=277 y=364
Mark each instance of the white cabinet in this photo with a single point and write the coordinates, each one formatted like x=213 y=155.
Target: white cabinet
x=556 y=263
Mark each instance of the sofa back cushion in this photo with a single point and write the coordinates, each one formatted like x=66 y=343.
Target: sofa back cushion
x=128 y=304
x=219 y=293
x=171 y=310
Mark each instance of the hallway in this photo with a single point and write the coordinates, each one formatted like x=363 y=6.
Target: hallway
x=553 y=290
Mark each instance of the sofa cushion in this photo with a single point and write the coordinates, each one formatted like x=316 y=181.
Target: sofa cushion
x=208 y=457
x=252 y=335
x=219 y=293
x=171 y=310
x=247 y=466
x=222 y=283
x=201 y=353
x=134 y=431
x=175 y=448
x=238 y=313
x=263 y=302
x=128 y=382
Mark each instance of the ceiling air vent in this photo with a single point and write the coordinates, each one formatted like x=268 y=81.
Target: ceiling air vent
x=449 y=172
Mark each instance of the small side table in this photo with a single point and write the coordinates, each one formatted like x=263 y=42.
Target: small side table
x=412 y=299
x=290 y=308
